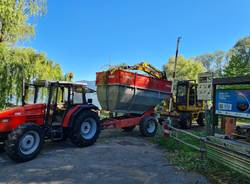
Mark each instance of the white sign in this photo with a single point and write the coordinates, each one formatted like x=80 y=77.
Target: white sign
x=204 y=90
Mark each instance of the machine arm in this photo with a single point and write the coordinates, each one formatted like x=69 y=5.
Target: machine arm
x=147 y=68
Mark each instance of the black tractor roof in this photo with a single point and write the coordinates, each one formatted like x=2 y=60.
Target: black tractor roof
x=47 y=83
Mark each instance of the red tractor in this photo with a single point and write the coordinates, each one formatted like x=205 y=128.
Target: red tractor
x=53 y=110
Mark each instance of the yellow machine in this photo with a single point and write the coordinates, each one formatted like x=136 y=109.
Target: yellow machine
x=186 y=105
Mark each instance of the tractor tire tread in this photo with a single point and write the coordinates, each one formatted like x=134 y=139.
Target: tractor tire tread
x=75 y=136
x=12 y=143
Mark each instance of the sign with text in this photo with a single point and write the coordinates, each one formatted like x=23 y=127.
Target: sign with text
x=204 y=90
x=233 y=103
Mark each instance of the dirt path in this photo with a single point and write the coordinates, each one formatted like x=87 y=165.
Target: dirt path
x=117 y=158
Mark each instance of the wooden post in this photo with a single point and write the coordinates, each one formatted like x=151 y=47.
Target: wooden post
x=229 y=126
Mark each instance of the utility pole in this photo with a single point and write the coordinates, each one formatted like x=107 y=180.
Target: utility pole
x=174 y=73
x=176 y=56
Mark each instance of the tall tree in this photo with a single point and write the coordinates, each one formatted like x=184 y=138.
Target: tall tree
x=213 y=62
x=239 y=59
x=14 y=17
x=19 y=63
x=206 y=60
x=185 y=69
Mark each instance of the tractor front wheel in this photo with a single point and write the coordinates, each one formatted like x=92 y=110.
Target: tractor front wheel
x=86 y=129
x=148 y=126
x=25 y=142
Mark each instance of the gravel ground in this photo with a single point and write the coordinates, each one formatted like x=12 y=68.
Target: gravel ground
x=117 y=157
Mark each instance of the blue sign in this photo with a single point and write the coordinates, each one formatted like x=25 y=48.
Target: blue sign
x=233 y=103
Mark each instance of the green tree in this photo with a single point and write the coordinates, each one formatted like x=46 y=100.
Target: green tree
x=206 y=60
x=186 y=69
x=239 y=59
x=213 y=62
x=19 y=63
x=14 y=17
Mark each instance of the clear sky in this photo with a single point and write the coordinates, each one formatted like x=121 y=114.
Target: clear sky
x=84 y=36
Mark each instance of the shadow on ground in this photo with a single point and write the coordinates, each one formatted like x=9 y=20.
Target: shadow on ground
x=117 y=157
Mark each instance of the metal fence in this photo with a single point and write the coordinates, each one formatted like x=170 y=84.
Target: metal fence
x=237 y=161
x=177 y=135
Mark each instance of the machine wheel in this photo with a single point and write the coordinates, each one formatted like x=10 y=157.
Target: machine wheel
x=1 y=147
x=128 y=129
x=200 y=119
x=86 y=129
x=186 y=120
x=248 y=135
x=148 y=126
x=25 y=142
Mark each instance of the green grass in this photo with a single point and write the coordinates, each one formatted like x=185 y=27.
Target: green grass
x=189 y=159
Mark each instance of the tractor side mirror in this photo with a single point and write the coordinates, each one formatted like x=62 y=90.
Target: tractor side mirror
x=90 y=101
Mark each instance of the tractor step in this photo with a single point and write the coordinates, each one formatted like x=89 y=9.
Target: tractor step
x=56 y=133
x=56 y=123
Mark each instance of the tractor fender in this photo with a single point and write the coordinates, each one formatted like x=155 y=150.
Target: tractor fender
x=73 y=113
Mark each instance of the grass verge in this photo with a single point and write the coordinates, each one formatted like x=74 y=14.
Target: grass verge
x=188 y=159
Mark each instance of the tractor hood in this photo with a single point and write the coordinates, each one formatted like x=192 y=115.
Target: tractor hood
x=21 y=110
x=11 y=112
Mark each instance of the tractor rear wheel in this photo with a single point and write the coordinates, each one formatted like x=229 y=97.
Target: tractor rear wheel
x=186 y=120
x=200 y=119
x=128 y=129
x=25 y=142
x=86 y=129
x=148 y=126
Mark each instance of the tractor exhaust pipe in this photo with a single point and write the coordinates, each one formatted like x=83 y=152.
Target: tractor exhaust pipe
x=23 y=91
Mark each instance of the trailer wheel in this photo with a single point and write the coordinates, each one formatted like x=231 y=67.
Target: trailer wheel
x=148 y=126
x=128 y=129
x=86 y=129
x=186 y=120
x=25 y=142
x=200 y=119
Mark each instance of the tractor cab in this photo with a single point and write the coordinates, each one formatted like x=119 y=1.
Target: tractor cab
x=57 y=96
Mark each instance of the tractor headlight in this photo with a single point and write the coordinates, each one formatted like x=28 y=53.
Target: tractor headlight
x=5 y=120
